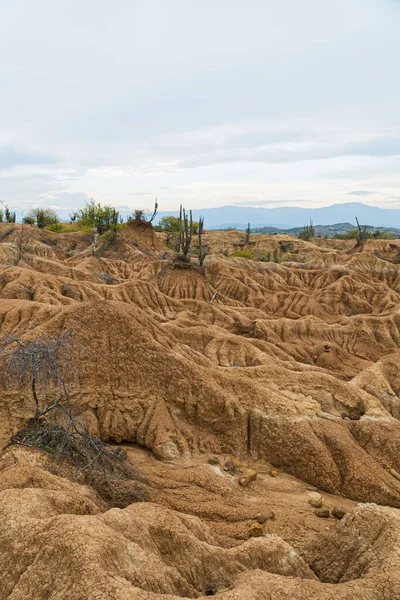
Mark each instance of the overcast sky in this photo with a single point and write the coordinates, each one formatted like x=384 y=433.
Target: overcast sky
x=206 y=102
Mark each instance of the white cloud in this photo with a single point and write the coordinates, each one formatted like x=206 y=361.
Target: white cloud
x=207 y=102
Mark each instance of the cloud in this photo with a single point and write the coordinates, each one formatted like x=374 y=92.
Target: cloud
x=361 y=193
x=22 y=189
x=302 y=100
x=69 y=199
x=63 y=202
x=10 y=157
x=305 y=150
x=267 y=203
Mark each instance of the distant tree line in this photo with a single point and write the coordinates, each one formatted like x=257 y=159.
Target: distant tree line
x=307 y=233
x=377 y=234
x=172 y=224
x=7 y=216
x=104 y=221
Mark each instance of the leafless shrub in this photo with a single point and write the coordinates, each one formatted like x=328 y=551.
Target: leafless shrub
x=22 y=243
x=106 y=470
x=108 y=279
x=94 y=240
x=46 y=366
x=43 y=364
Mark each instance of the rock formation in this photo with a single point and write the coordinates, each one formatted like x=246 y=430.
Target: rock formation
x=291 y=365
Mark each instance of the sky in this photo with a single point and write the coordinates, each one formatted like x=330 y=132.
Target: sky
x=206 y=103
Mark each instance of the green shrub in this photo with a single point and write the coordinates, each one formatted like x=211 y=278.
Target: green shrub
x=112 y=234
x=42 y=217
x=383 y=235
x=95 y=215
x=56 y=227
x=10 y=216
x=244 y=254
x=172 y=224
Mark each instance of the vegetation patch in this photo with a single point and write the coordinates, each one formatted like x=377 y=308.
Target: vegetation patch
x=244 y=254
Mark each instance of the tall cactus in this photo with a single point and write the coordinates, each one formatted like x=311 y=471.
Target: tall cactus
x=178 y=242
x=202 y=253
x=185 y=233
x=361 y=232
x=247 y=234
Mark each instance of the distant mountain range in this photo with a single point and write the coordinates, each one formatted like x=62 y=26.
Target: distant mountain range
x=326 y=230
x=292 y=216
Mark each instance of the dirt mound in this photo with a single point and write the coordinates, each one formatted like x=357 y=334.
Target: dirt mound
x=291 y=365
x=58 y=541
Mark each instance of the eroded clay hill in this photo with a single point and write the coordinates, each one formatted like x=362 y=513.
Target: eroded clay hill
x=291 y=365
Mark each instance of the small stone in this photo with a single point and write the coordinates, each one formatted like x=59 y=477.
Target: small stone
x=315 y=497
x=315 y=503
x=322 y=512
x=395 y=474
x=243 y=481
x=274 y=472
x=213 y=460
x=262 y=517
x=256 y=530
x=338 y=512
x=311 y=488
x=230 y=466
x=251 y=474
x=237 y=462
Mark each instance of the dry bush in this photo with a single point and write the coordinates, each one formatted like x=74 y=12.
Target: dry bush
x=46 y=367
x=106 y=470
x=108 y=279
x=183 y=262
x=43 y=365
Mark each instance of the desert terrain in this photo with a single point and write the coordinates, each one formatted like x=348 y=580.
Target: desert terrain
x=259 y=402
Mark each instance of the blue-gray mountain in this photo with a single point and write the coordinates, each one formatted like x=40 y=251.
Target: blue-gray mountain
x=292 y=216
